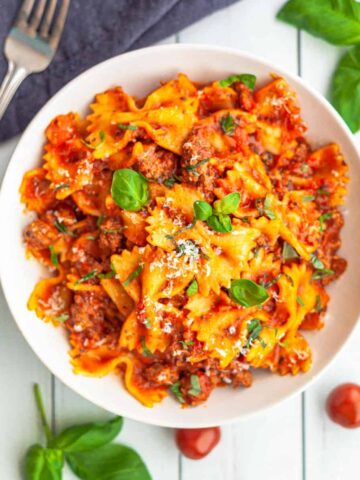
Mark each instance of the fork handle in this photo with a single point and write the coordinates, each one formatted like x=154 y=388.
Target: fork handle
x=15 y=75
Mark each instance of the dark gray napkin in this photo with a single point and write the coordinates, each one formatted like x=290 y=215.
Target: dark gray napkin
x=95 y=30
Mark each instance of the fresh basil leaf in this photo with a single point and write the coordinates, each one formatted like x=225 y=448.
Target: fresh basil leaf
x=202 y=210
x=267 y=208
x=318 y=264
x=320 y=274
x=43 y=463
x=221 y=223
x=110 y=462
x=247 y=79
x=193 y=168
x=192 y=288
x=323 y=218
x=227 y=204
x=247 y=293
x=175 y=389
x=133 y=275
x=88 y=436
x=345 y=88
x=195 y=389
x=53 y=256
x=336 y=21
x=86 y=277
x=288 y=252
x=227 y=124
x=129 y=190
x=124 y=126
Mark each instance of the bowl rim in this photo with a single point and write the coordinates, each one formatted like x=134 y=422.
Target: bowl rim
x=206 y=48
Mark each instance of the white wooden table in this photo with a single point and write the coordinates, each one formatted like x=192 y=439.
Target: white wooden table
x=292 y=441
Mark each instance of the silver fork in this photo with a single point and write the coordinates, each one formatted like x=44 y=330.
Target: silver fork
x=31 y=43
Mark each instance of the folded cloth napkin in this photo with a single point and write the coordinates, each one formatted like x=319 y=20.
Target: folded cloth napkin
x=95 y=31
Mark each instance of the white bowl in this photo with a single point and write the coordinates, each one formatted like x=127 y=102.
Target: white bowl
x=139 y=72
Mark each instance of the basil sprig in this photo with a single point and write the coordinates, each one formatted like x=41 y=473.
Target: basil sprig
x=192 y=289
x=247 y=79
x=227 y=124
x=87 y=450
x=129 y=189
x=217 y=218
x=254 y=328
x=247 y=293
x=337 y=22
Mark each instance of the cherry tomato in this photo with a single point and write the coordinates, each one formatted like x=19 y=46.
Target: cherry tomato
x=343 y=405
x=196 y=443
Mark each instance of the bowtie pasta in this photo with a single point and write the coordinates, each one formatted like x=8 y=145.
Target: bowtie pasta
x=190 y=235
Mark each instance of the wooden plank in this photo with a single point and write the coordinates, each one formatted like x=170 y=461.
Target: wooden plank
x=154 y=444
x=332 y=452
x=20 y=368
x=248 y=450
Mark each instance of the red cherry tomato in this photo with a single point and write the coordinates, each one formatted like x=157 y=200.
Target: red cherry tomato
x=196 y=443
x=343 y=405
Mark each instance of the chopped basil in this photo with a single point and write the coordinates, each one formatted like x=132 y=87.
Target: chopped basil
x=192 y=288
x=247 y=79
x=124 y=126
x=273 y=281
x=107 y=275
x=227 y=124
x=318 y=264
x=62 y=318
x=245 y=219
x=202 y=210
x=186 y=344
x=86 y=277
x=288 y=252
x=299 y=301
x=146 y=352
x=227 y=204
x=62 y=185
x=169 y=182
x=92 y=237
x=319 y=274
x=112 y=230
x=254 y=328
x=133 y=275
x=94 y=147
x=220 y=223
x=323 y=191
x=187 y=247
x=147 y=323
x=129 y=189
x=175 y=388
x=195 y=389
x=247 y=293
x=53 y=256
x=62 y=228
x=100 y=220
x=307 y=198
x=267 y=208
x=193 y=168
x=291 y=281
x=318 y=306
x=323 y=218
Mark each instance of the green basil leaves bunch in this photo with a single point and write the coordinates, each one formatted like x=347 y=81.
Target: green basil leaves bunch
x=129 y=189
x=87 y=449
x=217 y=217
x=337 y=22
